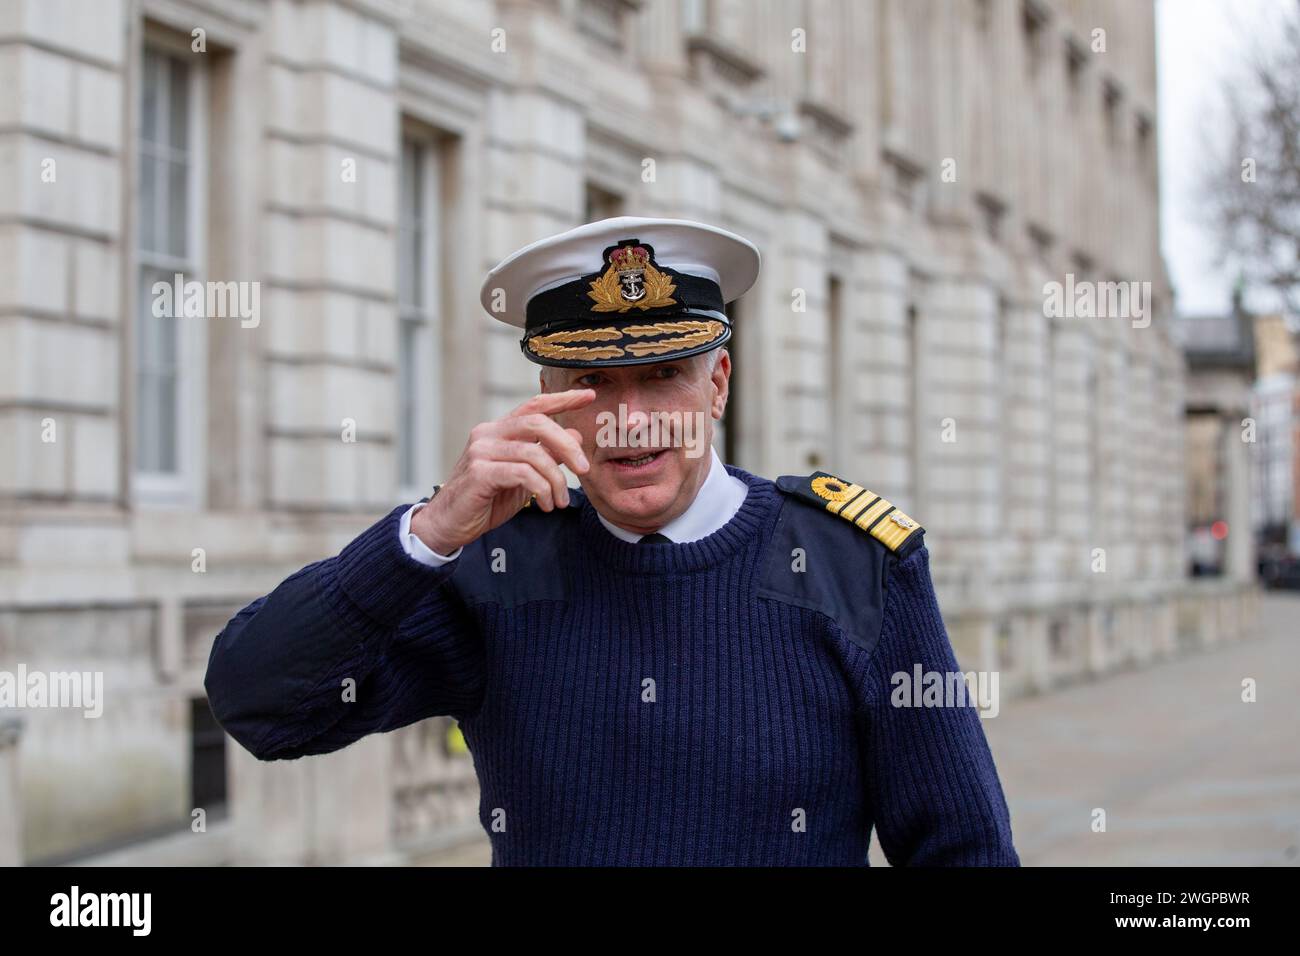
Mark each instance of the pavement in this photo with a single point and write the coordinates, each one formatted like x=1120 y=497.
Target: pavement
x=1184 y=770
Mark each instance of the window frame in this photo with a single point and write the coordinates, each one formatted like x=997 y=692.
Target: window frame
x=182 y=487
x=421 y=441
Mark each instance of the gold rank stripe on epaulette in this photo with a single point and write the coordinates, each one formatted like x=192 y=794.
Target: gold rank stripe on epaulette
x=866 y=509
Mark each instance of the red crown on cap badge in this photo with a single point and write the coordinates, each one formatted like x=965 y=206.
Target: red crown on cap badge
x=629 y=257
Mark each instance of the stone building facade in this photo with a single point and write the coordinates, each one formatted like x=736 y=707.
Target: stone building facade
x=1275 y=406
x=914 y=171
x=1222 y=445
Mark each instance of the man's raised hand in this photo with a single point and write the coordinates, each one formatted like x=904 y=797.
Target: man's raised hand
x=505 y=462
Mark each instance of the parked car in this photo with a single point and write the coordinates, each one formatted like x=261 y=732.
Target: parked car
x=1280 y=570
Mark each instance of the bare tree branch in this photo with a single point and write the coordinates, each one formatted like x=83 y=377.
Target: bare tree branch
x=1250 y=184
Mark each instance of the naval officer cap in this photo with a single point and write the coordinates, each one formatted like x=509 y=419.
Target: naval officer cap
x=624 y=291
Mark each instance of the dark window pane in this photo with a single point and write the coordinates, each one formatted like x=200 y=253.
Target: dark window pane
x=148 y=202
x=167 y=342
x=177 y=210
x=147 y=338
x=157 y=366
x=144 y=425
x=167 y=437
x=406 y=384
x=410 y=272
x=207 y=758
x=151 y=84
x=178 y=104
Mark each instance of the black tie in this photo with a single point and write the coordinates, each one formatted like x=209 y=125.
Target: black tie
x=655 y=538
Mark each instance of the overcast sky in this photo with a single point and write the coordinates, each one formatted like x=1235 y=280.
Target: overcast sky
x=1199 y=46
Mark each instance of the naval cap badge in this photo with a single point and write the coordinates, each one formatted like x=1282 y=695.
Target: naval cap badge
x=631 y=280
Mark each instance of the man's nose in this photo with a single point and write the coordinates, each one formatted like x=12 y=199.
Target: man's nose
x=638 y=414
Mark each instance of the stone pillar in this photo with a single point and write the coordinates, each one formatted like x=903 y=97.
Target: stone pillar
x=1239 y=552
x=958 y=429
x=798 y=437
x=11 y=808
x=1167 y=628
x=330 y=347
x=330 y=319
x=61 y=188
x=536 y=151
x=1072 y=451
x=1014 y=664
x=881 y=386
x=1038 y=653
x=1026 y=421
x=1096 y=643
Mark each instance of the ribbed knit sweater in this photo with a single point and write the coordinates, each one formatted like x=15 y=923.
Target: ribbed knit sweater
x=630 y=704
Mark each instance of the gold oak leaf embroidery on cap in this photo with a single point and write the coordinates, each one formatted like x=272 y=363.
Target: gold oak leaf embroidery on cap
x=631 y=282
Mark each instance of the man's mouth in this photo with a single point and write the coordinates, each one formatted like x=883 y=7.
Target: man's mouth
x=642 y=459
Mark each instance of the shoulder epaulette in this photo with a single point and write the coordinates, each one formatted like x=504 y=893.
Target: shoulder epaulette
x=865 y=509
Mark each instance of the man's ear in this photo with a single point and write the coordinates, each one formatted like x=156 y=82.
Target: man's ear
x=541 y=379
x=722 y=382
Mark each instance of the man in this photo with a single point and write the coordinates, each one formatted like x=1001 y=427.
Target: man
x=679 y=662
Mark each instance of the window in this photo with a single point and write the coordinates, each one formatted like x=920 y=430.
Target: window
x=603 y=21
x=1142 y=130
x=1111 y=96
x=207 y=759
x=1057 y=638
x=1076 y=58
x=170 y=219
x=992 y=212
x=1034 y=20
x=418 y=295
x=600 y=204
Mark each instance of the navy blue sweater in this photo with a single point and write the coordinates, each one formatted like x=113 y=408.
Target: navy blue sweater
x=629 y=704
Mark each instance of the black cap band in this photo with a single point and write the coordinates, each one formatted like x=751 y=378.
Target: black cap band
x=570 y=302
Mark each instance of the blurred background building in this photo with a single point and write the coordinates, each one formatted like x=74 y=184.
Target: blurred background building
x=1276 y=408
x=1220 y=351
x=914 y=171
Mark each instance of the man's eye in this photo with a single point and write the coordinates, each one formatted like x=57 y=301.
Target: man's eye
x=668 y=371
x=589 y=379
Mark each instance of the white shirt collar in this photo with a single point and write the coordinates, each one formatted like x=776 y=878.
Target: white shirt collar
x=716 y=503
